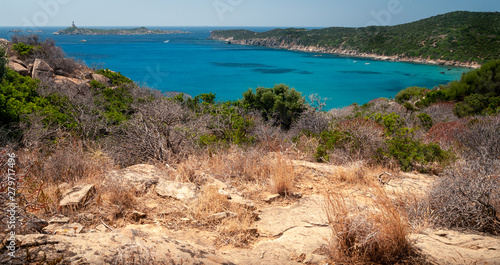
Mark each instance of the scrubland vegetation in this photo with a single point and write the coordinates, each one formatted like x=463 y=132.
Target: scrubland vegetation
x=74 y=133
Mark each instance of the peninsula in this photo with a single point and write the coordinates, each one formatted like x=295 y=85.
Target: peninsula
x=459 y=38
x=74 y=30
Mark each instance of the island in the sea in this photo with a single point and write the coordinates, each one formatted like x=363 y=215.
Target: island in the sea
x=74 y=30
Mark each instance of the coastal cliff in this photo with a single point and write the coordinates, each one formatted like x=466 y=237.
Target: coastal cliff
x=274 y=42
x=467 y=39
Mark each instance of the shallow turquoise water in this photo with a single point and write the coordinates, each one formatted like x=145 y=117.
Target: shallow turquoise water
x=192 y=64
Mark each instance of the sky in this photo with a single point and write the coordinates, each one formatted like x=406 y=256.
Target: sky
x=244 y=13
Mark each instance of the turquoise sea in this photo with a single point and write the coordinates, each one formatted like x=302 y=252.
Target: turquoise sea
x=192 y=64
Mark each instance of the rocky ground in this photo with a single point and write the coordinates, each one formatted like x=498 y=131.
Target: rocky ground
x=285 y=229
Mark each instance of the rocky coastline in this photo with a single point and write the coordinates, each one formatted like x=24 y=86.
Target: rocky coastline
x=137 y=31
x=273 y=42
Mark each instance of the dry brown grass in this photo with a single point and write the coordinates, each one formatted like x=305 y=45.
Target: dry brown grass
x=236 y=231
x=232 y=230
x=282 y=175
x=241 y=165
x=209 y=202
x=373 y=232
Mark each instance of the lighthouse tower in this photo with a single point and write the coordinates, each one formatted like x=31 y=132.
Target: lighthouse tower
x=73 y=25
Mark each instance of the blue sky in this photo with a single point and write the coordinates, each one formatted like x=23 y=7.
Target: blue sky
x=280 y=13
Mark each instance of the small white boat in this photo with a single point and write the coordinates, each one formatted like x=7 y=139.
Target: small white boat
x=354 y=61
x=167 y=41
x=367 y=63
x=83 y=41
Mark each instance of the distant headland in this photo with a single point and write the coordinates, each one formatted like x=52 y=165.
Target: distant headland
x=74 y=30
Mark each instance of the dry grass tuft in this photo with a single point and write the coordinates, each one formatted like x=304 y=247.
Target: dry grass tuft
x=236 y=231
x=283 y=175
x=209 y=202
x=376 y=232
x=242 y=165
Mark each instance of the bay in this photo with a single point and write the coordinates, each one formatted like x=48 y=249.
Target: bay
x=192 y=64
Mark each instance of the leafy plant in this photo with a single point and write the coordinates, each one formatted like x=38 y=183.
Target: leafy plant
x=280 y=104
x=23 y=49
x=116 y=78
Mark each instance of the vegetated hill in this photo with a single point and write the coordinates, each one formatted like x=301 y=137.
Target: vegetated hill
x=457 y=36
x=73 y=30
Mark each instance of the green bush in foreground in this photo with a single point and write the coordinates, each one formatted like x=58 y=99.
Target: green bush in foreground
x=402 y=146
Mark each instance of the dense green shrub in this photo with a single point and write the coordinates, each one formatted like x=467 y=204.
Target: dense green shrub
x=18 y=97
x=402 y=145
x=117 y=102
x=116 y=78
x=478 y=91
x=328 y=141
x=425 y=120
x=279 y=104
x=410 y=93
x=23 y=49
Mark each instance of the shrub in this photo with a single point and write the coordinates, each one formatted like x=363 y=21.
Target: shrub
x=33 y=47
x=18 y=97
x=480 y=139
x=280 y=104
x=425 y=120
x=116 y=78
x=410 y=93
x=445 y=133
x=283 y=176
x=23 y=49
x=360 y=236
x=402 y=145
x=159 y=131
x=468 y=196
x=3 y=63
x=441 y=112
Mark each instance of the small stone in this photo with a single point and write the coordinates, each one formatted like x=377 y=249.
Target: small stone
x=221 y=216
x=271 y=198
x=59 y=219
x=101 y=228
x=136 y=215
x=77 y=196
x=64 y=229
x=177 y=190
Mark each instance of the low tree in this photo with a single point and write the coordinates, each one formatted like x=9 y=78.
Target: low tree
x=280 y=103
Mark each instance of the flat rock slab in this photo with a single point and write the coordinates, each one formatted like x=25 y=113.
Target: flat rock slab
x=307 y=212
x=77 y=196
x=140 y=177
x=451 y=247
x=177 y=190
x=143 y=244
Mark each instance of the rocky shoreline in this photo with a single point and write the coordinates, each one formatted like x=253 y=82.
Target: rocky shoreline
x=276 y=44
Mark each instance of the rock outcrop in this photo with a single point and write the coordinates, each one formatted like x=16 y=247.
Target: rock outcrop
x=139 y=177
x=41 y=70
x=18 y=66
x=77 y=196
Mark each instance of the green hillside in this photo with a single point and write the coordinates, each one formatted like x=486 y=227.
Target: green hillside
x=459 y=36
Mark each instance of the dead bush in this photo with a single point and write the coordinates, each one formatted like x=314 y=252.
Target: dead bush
x=283 y=175
x=467 y=196
x=160 y=131
x=441 y=112
x=373 y=233
x=210 y=202
x=250 y=165
x=311 y=122
x=445 y=133
x=480 y=140
x=365 y=137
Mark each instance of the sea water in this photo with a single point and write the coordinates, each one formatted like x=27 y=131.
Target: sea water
x=192 y=64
